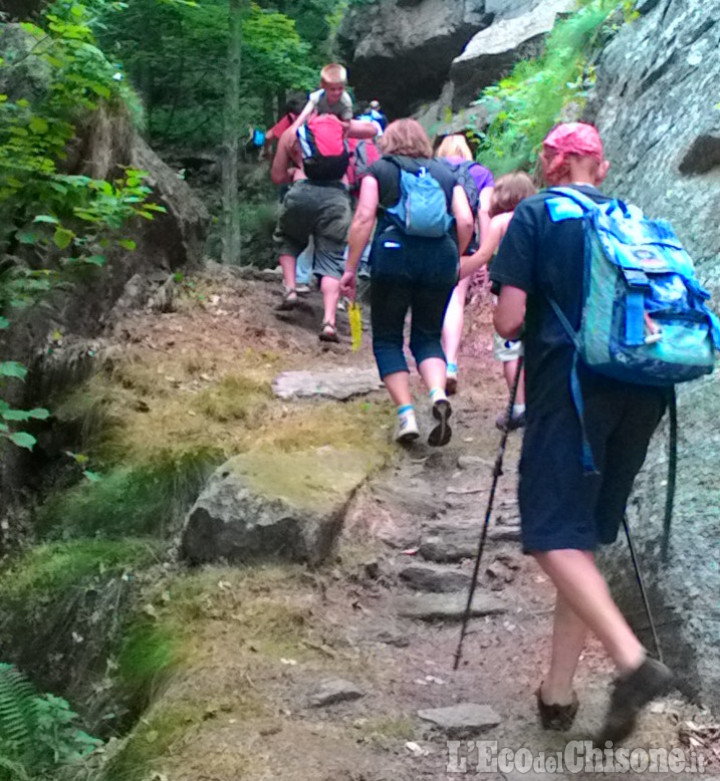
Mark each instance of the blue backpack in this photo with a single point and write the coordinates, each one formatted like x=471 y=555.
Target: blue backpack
x=645 y=318
x=422 y=207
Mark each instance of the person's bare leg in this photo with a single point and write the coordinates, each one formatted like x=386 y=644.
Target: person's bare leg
x=433 y=372
x=454 y=321
x=287 y=263
x=585 y=591
x=569 y=636
x=330 y=288
x=510 y=372
x=398 y=386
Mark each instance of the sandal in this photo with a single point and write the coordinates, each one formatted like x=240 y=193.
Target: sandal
x=328 y=333
x=556 y=717
x=289 y=301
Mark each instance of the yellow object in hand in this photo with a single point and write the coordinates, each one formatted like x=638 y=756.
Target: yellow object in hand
x=356 y=328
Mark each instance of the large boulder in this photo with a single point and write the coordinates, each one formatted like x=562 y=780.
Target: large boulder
x=655 y=104
x=262 y=505
x=400 y=52
x=492 y=53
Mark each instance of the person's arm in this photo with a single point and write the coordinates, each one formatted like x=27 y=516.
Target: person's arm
x=359 y=128
x=360 y=231
x=484 y=211
x=282 y=164
x=509 y=314
x=463 y=218
x=471 y=263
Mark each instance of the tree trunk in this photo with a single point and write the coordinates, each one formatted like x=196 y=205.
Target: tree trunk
x=231 y=217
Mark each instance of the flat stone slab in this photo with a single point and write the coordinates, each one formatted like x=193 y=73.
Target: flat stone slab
x=334 y=690
x=451 y=542
x=447 y=607
x=438 y=580
x=340 y=384
x=462 y=720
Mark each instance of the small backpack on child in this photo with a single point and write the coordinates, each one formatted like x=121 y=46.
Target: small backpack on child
x=422 y=207
x=363 y=153
x=324 y=148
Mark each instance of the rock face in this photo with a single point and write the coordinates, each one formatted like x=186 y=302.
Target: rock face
x=274 y=505
x=400 y=52
x=656 y=107
x=492 y=52
x=105 y=143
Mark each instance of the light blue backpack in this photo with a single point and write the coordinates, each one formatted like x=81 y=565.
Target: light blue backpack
x=422 y=207
x=645 y=318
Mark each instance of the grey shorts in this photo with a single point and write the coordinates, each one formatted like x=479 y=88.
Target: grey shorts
x=320 y=211
x=507 y=349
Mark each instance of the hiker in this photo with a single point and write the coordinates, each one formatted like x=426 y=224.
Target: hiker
x=509 y=190
x=293 y=108
x=254 y=144
x=331 y=98
x=316 y=206
x=410 y=271
x=477 y=181
x=378 y=115
x=566 y=511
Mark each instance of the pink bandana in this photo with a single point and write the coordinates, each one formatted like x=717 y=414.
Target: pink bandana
x=576 y=138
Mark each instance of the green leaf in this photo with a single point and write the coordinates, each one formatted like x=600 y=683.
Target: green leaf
x=38 y=125
x=96 y=260
x=4 y=323
x=128 y=244
x=26 y=237
x=63 y=237
x=47 y=218
x=23 y=439
x=93 y=477
x=13 y=369
x=39 y=413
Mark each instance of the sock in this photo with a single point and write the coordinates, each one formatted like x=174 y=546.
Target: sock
x=518 y=409
x=437 y=394
x=453 y=368
x=405 y=411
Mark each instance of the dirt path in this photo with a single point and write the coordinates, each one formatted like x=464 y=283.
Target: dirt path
x=263 y=639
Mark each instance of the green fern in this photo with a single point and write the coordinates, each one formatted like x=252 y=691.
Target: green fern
x=18 y=721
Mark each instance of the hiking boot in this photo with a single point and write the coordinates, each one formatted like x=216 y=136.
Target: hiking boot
x=407 y=429
x=441 y=433
x=289 y=301
x=451 y=380
x=631 y=694
x=556 y=717
x=516 y=421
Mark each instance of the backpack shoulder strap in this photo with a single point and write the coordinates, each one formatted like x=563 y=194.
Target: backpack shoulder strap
x=578 y=197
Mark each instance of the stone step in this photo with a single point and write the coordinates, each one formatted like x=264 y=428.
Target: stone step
x=447 y=607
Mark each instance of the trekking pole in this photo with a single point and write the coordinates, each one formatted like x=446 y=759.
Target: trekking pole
x=497 y=471
x=672 y=472
x=643 y=593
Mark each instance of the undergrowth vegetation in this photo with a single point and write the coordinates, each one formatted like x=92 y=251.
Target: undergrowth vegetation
x=540 y=92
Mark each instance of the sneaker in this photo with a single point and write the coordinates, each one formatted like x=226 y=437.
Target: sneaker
x=407 y=429
x=289 y=301
x=441 y=434
x=451 y=379
x=631 y=694
x=516 y=421
x=302 y=289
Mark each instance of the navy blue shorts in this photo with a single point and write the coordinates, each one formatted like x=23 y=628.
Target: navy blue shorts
x=561 y=506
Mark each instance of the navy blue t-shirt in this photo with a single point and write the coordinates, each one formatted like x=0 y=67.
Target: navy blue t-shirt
x=544 y=259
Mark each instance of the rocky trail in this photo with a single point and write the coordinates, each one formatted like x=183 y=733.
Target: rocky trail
x=343 y=672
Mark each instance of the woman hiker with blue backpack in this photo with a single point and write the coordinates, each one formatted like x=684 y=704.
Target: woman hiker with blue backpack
x=424 y=221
